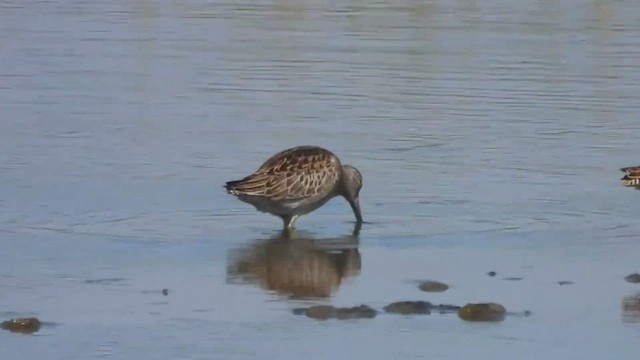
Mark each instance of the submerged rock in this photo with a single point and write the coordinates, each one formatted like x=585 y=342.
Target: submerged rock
x=433 y=286
x=409 y=307
x=325 y=312
x=418 y=307
x=22 y=325
x=482 y=312
x=633 y=278
x=356 y=312
x=321 y=312
x=492 y=273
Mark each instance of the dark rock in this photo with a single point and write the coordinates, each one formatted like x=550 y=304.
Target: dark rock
x=409 y=307
x=356 y=312
x=633 y=278
x=433 y=286
x=324 y=312
x=321 y=312
x=492 y=273
x=165 y=292
x=482 y=312
x=24 y=325
x=419 y=307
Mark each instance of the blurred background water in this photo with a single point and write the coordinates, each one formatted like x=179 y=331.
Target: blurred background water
x=489 y=134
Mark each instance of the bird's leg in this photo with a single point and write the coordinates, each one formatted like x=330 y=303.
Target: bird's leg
x=356 y=228
x=292 y=224
x=289 y=221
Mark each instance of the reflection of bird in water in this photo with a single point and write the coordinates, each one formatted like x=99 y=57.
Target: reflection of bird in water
x=298 y=266
x=297 y=181
x=631 y=177
x=631 y=308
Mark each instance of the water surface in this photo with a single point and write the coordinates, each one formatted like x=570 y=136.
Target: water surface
x=489 y=135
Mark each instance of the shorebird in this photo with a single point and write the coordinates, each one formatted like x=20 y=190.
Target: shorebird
x=297 y=181
x=631 y=177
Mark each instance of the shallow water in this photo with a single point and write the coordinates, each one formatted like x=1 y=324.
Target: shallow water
x=489 y=135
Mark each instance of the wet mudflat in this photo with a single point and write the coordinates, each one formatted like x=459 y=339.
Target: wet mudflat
x=489 y=136
x=210 y=304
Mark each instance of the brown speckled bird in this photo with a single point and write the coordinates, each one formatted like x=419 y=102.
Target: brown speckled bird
x=298 y=181
x=631 y=177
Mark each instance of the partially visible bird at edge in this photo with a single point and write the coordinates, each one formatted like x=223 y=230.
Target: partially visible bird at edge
x=297 y=181
x=631 y=177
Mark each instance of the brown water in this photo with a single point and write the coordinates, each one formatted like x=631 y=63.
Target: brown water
x=489 y=135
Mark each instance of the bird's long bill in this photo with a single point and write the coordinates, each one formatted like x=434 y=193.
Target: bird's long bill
x=355 y=205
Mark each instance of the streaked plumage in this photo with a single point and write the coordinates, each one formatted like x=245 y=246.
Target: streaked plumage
x=631 y=177
x=298 y=181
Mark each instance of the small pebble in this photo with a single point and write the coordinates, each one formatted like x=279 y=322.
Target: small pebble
x=165 y=292
x=482 y=312
x=24 y=325
x=633 y=278
x=492 y=273
x=433 y=286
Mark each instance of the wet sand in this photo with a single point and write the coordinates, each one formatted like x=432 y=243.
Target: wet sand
x=205 y=314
